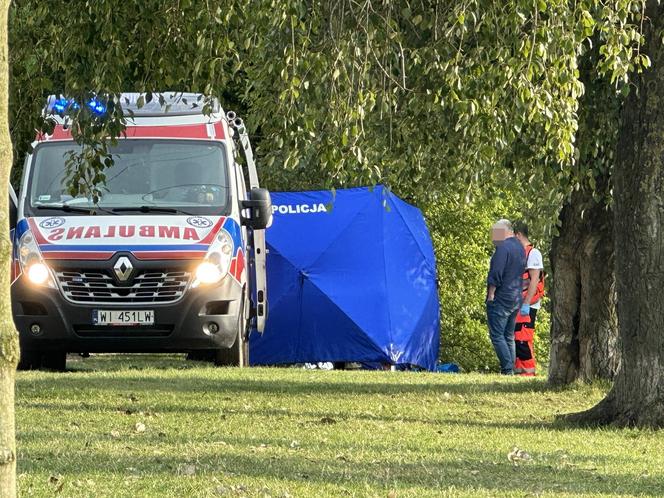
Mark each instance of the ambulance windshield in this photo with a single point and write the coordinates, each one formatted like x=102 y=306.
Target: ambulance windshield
x=149 y=175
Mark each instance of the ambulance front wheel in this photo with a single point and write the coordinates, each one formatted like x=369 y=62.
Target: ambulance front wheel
x=228 y=357
x=39 y=360
x=30 y=360
x=202 y=355
x=238 y=353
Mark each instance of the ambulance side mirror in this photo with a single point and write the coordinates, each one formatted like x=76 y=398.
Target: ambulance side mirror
x=13 y=208
x=258 y=208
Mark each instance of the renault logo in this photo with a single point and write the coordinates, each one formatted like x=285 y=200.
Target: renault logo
x=123 y=269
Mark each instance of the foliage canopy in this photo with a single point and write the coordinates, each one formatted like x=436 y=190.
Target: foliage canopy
x=343 y=93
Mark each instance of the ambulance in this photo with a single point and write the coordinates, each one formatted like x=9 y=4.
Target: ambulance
x=171 y=257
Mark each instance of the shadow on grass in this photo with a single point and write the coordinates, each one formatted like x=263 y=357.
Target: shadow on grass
x=229 y=441
x=459 y=469
x=123 y=363
x=111 y=362
x=78 y=452
x=334 y=385
x=122 y=406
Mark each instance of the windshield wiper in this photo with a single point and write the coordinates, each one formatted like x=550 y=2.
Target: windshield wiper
x=150 y=209
x=74 y=209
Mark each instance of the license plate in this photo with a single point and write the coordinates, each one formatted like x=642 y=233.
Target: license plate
x=123 y=317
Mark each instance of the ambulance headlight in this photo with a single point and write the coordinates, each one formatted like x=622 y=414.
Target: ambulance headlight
x=217 y=261
x=38 y=273
x=32 y=263
x=208 y=273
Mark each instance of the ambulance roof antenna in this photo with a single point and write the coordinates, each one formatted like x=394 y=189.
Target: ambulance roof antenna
x=236 y=123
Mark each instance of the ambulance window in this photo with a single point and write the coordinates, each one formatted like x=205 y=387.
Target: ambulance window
x=186 y=174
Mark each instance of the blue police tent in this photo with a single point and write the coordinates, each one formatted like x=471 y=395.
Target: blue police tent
x=354 y=283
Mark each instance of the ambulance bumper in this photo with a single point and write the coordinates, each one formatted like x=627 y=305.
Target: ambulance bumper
x=46 y=321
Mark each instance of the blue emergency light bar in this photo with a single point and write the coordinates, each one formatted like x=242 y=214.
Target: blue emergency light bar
x=97 y=106
x=137 y=104
x=61 y=105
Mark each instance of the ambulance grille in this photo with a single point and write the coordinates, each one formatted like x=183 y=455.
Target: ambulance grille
x=148 y=286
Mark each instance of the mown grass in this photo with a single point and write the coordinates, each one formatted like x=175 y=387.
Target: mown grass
x=148 y=426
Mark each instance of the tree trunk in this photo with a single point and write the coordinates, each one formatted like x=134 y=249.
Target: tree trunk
x=637 y=397
x=8 y=335
x=584 y=326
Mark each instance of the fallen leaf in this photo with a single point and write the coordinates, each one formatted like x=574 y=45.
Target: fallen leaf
x=84 y=484
x=57 y=482
x=187 y=469
x=517 y=455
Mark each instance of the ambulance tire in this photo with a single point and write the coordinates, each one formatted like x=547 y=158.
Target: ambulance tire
x=38 y=360
x=230 y=357
x=201 y=355
x=54 y=360
x=30 y=360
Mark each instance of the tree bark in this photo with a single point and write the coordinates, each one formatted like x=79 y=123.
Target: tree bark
x=584 y=325
x=8 y=335
x=637 y=396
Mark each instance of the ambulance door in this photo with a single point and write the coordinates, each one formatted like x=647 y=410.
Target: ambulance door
x=241 y=192
x=257 y=255
x=257 y=241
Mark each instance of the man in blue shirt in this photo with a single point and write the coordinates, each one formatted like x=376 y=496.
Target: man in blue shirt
x=504 y=286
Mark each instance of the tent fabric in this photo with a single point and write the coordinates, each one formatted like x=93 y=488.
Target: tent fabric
x=351 y=277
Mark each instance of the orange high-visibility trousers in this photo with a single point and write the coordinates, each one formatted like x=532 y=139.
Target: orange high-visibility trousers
x=524 y=336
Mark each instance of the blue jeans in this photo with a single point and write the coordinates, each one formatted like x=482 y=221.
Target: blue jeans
x=501 y=321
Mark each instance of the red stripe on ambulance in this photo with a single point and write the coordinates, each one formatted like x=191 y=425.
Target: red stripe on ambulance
x=36 y=233
x=198 y=130
x=148 y=255
x=212 y=233
x=124 y=231
x=87 y=255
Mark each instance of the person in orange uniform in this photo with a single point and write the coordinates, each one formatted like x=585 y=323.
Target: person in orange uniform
x=533 y=291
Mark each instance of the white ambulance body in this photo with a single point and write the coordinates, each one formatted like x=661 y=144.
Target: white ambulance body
x=170 y=259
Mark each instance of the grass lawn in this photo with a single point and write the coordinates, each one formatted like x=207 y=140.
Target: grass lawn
x=122 y=426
